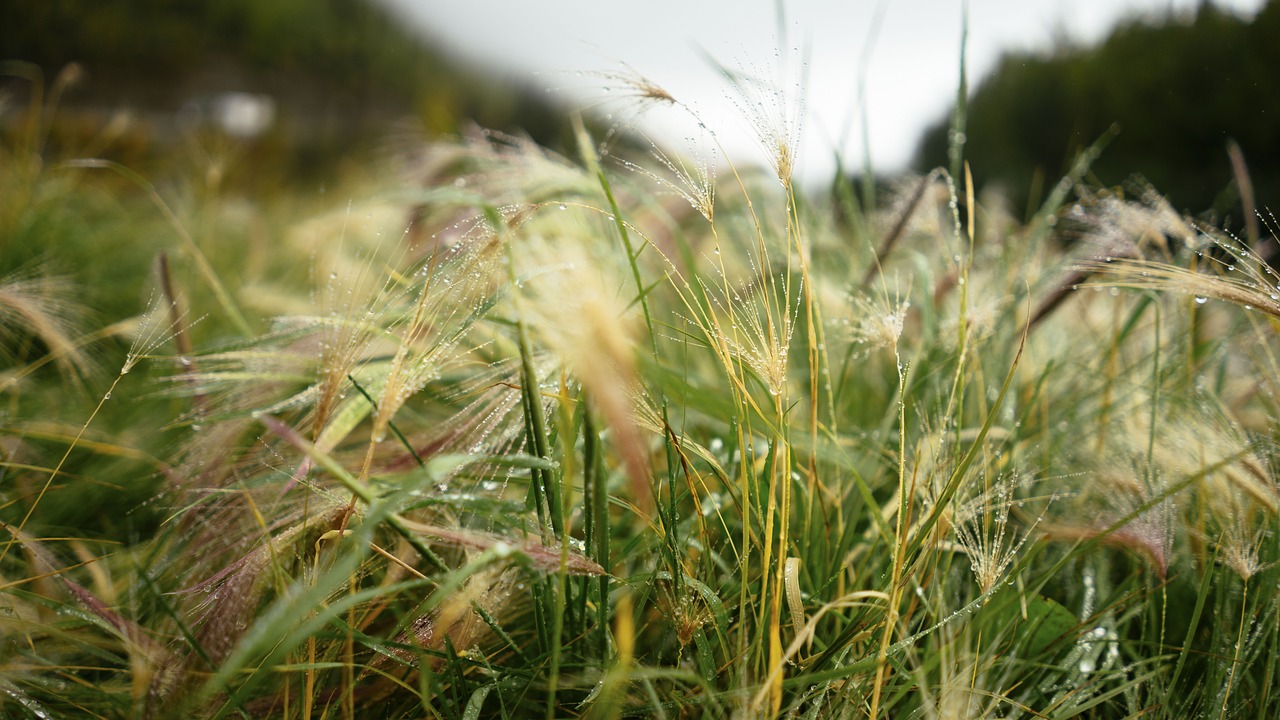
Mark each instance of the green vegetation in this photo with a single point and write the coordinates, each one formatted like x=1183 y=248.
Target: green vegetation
x=1177 y=91
x=338 y=70
x=487 y=431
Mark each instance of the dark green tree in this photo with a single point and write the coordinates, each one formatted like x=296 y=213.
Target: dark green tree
x=1178 y=89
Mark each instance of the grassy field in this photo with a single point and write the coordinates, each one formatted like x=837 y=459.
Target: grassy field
x=484 y=431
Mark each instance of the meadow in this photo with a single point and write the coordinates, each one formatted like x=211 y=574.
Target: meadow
x=483 y=430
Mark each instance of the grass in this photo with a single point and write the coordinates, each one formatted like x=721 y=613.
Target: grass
x=558 y=437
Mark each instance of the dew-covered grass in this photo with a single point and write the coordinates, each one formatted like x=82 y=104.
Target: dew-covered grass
x=488 y=431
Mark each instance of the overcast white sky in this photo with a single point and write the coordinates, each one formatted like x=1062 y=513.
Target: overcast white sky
x=908 y=51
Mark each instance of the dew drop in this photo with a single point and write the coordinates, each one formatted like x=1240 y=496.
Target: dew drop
x=1201 y=300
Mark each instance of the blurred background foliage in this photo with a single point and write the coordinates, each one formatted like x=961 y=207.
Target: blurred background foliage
x=338 y=70
x=1177 y=90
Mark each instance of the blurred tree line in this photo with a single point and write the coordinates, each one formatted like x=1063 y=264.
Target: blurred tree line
x=338 y=70
x=1178 y=90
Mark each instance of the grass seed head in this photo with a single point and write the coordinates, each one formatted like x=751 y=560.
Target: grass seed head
x=35 y=304
x=982 y=529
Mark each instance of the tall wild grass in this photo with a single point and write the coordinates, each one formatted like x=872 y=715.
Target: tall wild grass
x=547 y=436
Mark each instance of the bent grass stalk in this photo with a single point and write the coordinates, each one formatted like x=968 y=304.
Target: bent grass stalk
x=202 y=261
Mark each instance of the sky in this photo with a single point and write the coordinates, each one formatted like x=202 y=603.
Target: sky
x=897 y=59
